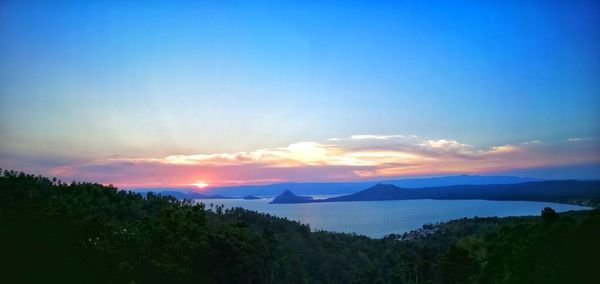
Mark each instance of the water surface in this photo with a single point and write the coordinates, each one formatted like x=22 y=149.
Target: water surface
x=379 y=218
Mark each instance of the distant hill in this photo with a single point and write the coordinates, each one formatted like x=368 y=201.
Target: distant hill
x=288 y=197
x=188 y=195
x=326 y=188
x=567 y=191
x=251 y=197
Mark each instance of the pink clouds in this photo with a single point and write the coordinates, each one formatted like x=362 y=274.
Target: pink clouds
x=355 y=157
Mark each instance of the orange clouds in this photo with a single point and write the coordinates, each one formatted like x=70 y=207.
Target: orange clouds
x=355 y=157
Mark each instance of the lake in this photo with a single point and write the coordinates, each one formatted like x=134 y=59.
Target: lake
x=379 y=218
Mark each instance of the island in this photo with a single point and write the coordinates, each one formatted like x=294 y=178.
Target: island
x=288 y=197
x=250 y=197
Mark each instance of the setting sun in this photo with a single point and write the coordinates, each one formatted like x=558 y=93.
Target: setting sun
x=200 y=184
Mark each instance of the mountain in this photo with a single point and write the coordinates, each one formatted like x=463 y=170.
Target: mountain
x=457 y=180
x=378 y=192
x=188 y=195
x=565 y=191
x=318 y=188
x=326 y=188
x=288 y=197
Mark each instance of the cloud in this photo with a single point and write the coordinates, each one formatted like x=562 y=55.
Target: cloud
x=354 y=157
x=375 y=137
x=577 y=139
x=504 y=149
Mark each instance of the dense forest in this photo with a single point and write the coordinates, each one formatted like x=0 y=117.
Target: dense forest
x=54 y=232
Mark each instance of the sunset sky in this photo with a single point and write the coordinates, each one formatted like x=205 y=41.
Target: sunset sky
x=195 y=93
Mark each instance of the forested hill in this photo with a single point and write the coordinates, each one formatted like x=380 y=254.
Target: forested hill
x=53 y=232
x=562 y=191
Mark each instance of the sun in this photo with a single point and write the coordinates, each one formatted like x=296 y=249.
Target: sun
x=200 y=184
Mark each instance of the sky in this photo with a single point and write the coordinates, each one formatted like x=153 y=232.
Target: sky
x=175 y=93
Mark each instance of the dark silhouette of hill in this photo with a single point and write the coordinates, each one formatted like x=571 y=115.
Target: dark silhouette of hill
x=189 y=195
x=325 y=188
x=288 y=197
x=566 y=191
x=251 y=197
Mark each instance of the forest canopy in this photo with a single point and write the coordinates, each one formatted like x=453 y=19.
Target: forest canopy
x=52 y=231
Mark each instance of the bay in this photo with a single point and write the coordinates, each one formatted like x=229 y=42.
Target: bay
x=379 y=218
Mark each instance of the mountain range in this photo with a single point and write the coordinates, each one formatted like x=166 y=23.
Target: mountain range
x=190 y=195
x=337 y=188
x=563 y=191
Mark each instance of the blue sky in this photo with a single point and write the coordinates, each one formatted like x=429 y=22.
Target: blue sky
x=90 y=80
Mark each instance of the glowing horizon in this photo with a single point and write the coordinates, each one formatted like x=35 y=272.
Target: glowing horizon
x=337 y=159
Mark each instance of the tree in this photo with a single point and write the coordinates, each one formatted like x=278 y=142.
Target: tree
x=549 y=216
x=457 y=266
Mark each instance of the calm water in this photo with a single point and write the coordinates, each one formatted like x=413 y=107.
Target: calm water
x=379 y=218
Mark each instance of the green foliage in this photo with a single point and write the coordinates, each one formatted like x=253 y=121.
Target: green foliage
x=53 y=232
x=549 y=216
x=458 y=266
x=82 y=232
x=557 y=250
